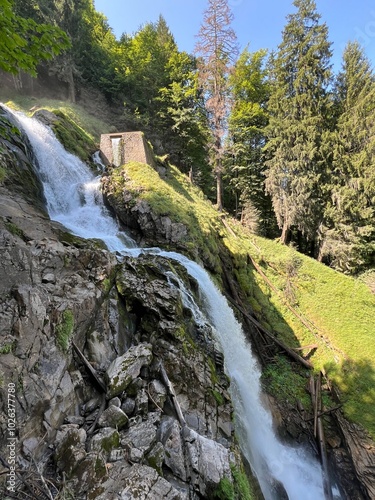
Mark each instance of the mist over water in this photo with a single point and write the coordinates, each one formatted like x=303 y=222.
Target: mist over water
x=74 y=199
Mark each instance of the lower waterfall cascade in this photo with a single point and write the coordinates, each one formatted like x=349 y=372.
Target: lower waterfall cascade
x=74 y=199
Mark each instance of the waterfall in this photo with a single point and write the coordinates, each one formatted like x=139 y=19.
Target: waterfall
x=74 y=199
x=116 y=151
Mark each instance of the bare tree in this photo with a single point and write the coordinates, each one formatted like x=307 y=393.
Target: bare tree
x=217 y=51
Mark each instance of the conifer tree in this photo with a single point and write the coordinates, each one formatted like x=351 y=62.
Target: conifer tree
x=349 y=232
x=217 y=50
x=298 y=109
x=248 y=118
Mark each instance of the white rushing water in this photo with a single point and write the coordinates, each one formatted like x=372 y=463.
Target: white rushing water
x=74 y=199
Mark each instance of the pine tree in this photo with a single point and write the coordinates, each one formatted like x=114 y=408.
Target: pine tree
x=298 y=110
x=349 y=232
x=217 y=50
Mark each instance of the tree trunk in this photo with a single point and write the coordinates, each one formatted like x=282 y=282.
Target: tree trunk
x=285 y=233
x=219 y=191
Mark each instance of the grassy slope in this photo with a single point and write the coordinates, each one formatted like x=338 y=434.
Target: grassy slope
x=340 y=309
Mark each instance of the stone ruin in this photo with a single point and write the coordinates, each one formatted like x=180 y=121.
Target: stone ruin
x=123 y=147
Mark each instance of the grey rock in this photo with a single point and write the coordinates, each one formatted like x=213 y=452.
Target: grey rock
x=49 y=278
x=156 y=457
x=115 y=402
x=73 y=419
x=128 y=406
x=141 y=403
x=144 y=483
x=124 y=369
x=174 y=450
x=105 y=441
x=141 y=436
x=70 y=447
x=158 y=393
x=113 y=417
x=208 y=460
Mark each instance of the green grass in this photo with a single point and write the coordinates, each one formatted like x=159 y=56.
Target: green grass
x=341 y=310
x=178 y=199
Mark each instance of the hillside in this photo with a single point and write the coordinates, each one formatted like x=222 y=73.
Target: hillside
x=339 y=310
x=329 y=317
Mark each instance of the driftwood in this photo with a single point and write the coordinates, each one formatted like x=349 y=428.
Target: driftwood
x=325 y=412
x=287 y=349
x=90 y=369
x=172 y=393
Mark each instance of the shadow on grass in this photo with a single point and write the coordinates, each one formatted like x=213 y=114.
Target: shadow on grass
x=357 y=383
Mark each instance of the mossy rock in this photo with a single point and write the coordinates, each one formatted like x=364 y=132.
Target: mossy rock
x=72 y=136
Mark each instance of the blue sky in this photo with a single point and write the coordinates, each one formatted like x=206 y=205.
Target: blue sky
x=256 y=22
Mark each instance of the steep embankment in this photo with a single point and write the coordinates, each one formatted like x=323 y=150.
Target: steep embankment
x=326 y=316
x=92 y=352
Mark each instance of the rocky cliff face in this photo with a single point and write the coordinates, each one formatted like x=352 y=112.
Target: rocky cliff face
x=118 y=393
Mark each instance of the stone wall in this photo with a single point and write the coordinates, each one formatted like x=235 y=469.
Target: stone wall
x=133 y=147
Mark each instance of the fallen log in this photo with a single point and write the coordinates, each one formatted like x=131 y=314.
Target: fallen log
x=90 y=368
x=172 y=393
x=287 y=349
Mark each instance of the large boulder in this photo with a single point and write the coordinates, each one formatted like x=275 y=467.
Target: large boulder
x=125 y=369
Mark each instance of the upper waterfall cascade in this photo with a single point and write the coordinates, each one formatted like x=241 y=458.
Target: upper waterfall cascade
x=74 y=199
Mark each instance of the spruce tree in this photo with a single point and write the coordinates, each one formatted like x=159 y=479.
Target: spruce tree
x=349 y=231
x=298 y=107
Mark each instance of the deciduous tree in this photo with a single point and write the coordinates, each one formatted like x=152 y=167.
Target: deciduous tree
x=24 y=43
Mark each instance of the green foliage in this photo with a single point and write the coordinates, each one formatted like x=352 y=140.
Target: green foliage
x=284 y=381
x=224 y=490
x=64 y=330
x=349 y=231
x=218 y=397
x=241 y=483
x=15 y=230
x=7 y=348
x=24 y=43
x=244 y=158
